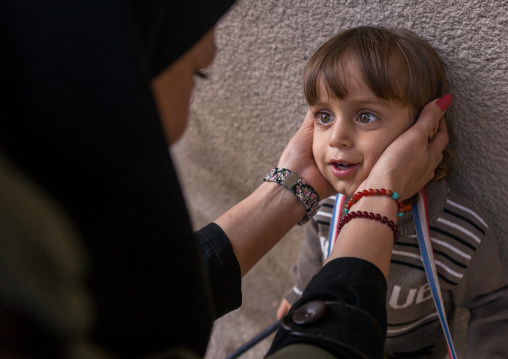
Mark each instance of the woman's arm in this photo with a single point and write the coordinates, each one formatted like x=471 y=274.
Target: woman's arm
x=257 y=223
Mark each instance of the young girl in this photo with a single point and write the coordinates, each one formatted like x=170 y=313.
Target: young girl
x=365 y=87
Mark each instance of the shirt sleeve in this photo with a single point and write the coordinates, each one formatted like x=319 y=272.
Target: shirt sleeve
x=221 y=268
x=484 y=292
x=351 y=320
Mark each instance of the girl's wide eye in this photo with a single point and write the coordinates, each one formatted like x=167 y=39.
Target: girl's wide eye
x=367 y=117
x=324 y=118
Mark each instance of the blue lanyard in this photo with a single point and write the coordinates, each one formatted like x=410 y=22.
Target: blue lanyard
x=332 y=237
x=420 y=216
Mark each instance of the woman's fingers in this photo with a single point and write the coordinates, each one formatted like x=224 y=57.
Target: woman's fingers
x=431 y=115
x=298 y=158
x=410 y=161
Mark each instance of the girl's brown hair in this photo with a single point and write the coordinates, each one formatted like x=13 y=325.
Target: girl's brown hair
x=396 y=64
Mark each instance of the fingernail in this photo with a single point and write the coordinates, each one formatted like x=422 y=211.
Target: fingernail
x=445 y=102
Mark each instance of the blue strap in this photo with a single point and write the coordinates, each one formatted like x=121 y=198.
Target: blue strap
x=332 y=236
x=424 y=240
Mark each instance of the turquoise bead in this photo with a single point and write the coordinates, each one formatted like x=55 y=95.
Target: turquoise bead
x=395 y=195
x=400 y=214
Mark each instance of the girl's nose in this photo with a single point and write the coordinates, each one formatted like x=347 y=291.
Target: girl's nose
x=341 y=134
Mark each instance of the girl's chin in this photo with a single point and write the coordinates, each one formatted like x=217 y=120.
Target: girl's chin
x=348 y=189
x=344 y=191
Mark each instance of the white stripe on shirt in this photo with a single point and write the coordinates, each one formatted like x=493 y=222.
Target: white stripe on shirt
x=407 y=254
x=449 y=246
x=455 y=274
x=438 y=263
x=459 y=228
x=324 y=214
x=465 y=209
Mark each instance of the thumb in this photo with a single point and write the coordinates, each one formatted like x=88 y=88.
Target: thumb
x=308 y=122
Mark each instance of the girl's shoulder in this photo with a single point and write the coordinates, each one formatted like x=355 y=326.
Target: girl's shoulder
x=449 y=205
x=458 y=226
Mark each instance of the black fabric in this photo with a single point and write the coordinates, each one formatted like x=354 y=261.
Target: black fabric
x=165 y=36
x=354 y=325
x=77 y=115
x=222 y=269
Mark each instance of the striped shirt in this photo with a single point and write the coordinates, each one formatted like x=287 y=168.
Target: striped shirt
x=466 y=271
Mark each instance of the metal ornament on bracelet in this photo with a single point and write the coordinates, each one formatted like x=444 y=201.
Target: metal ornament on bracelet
x=299 y=187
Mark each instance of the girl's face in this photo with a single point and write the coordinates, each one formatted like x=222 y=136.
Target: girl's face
x=350 y=134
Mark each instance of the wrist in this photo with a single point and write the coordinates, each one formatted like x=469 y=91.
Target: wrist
x=378 y=204
x=378 y=192
x=296 y=185
x=278 y=201
x=314 y=178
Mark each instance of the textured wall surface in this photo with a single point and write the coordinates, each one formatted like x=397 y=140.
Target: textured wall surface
x=246 y=112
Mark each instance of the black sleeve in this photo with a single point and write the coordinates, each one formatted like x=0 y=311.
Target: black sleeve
x=222 y=269
x=342 y=310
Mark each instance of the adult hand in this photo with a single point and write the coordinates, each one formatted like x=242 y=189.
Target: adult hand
x=410 y=161
x=283 y=309
x=298 y=158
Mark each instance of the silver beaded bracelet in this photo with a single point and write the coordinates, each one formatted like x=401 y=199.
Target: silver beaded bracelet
x=300 y=189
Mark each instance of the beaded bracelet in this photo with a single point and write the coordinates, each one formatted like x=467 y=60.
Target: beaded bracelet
x=369 y=215
x=298 y=187
x=376 y=192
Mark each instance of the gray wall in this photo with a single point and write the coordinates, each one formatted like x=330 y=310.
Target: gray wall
x=243 y=116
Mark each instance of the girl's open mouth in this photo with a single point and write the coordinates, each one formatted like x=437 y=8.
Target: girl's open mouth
x=342 y=169
x=342 y=166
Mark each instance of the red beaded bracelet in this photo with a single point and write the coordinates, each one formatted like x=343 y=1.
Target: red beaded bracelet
x=376 y=192
x=369 y=215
